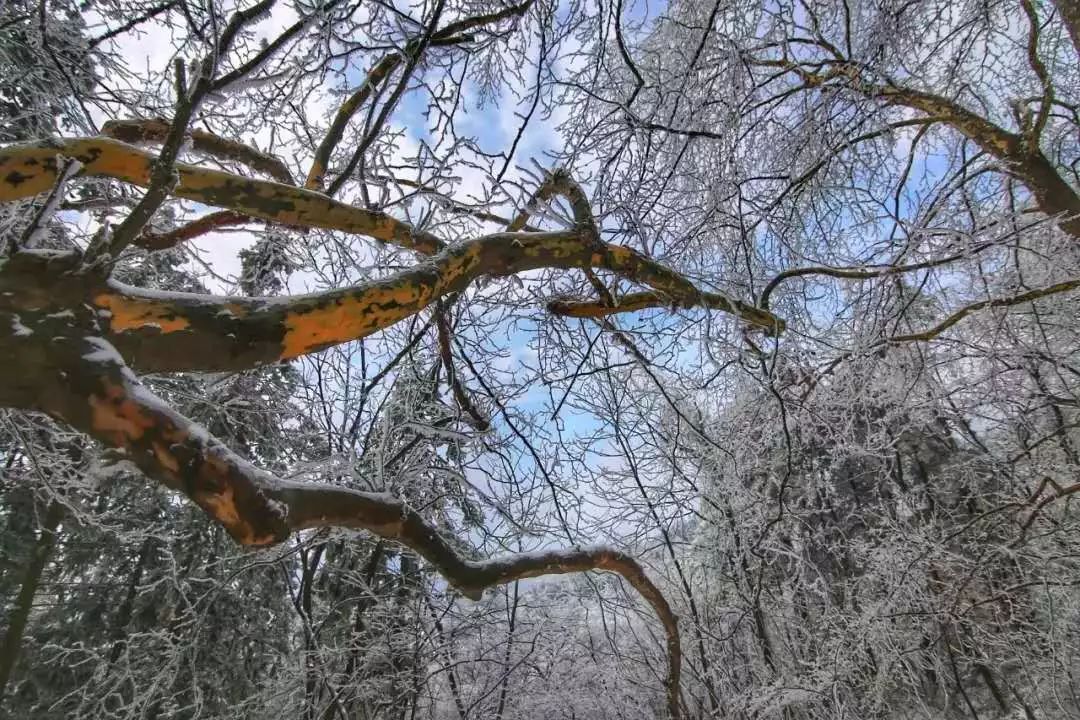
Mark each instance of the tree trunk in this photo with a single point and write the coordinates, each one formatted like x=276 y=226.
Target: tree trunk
x=9 y=652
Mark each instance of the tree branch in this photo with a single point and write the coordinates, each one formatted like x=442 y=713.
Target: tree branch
x=447 y=356
x=39 y=223
x=26 y=170
x=155 y=130
x=453 y=34
x=96 y=393
x=1016 y=152
x=191 y=230
x=177 y=331
x=931 y=333
x=636 y=301
x=865 y=273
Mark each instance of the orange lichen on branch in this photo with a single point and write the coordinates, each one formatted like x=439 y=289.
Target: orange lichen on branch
x=317 y=174
x=26 y=170
x=237 y=333
x=97 y=393
x=155 y=130
x=114 y=416
x=106 y=401
x=129 y=313
x=310 y=329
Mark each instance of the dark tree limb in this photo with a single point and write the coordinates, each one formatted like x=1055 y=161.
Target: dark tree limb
x=1018 y=153
x=190 y=231
x=1058 y=493
x=162 y=175
x=11 y=645
x=1069 y=13
x=866 y=273
x=446 y=354
x=637 y=301
x=1031 y=295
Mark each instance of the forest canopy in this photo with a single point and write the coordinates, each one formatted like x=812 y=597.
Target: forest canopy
x=472 y=359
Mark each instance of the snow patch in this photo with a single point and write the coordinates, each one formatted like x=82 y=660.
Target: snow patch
x=18 y=329
x=103 y=352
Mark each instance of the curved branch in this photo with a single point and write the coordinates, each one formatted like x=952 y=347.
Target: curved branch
x=558 y=182
x=96 y=393
x=191 y=230
x=312 y=506
x=178 y=331
x=931 y=333
x=1019 y=156
x=26 y=170
x=1059 y=493
x=136 y=132
x=866 y=273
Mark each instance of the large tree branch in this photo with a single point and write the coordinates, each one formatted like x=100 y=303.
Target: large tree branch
x=177 y=331
x=93 y=390
x=26 y=170
x=155 y=130
x=163 y=332
x=162 y=174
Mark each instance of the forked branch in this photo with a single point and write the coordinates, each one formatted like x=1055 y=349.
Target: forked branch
x=454 y=33
x=163 y=332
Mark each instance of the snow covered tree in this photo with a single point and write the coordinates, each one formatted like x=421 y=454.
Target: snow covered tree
x=767 y=308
